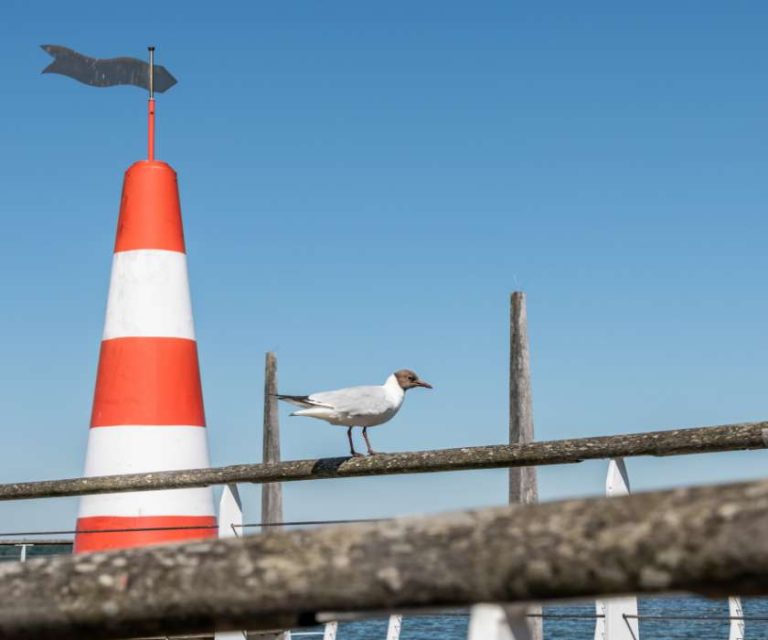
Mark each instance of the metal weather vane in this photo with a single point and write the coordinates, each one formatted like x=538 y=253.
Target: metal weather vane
x=108 y=72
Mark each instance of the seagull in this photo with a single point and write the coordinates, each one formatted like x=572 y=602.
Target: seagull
x=364 y=407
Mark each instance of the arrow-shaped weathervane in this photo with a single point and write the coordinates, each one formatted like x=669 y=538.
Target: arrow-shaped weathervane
x=109 y=72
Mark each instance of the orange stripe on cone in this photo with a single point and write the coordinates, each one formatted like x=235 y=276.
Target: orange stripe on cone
x=152 y=381
x=114 y=532
x=150 y=216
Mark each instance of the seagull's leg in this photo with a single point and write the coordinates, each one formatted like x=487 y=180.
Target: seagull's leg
x=371 y=452
x=351 y=445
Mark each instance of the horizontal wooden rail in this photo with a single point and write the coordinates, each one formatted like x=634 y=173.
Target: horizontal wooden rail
x=731 y=437
x=709 y=540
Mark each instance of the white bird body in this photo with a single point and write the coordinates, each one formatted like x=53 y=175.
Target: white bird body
x=365 y=406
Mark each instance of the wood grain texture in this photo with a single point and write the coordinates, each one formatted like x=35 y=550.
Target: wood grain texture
x=708 y=540
x=523 y=487
x=271 y=492
x=730 y=437
x=522 y=480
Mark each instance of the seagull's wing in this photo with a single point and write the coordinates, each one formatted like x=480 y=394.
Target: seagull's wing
x=354 y=401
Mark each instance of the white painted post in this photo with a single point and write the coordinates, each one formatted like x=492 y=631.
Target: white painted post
x=620 y=621
x=230 y=513
x=737 y=626
x=493 y=622
x=329 y=633
x=617 y=480
x=600 y=620
x=393 y=628
x=23 y=552
x=230 y=523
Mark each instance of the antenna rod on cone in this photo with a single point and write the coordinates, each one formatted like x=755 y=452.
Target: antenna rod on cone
x=151 y=141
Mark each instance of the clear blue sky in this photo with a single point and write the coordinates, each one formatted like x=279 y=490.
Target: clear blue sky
x=363 y=184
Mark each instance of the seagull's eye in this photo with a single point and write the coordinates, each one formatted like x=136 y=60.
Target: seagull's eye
x=412 y=378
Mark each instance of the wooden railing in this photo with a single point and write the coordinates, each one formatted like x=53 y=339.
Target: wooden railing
x=729 y=437
x=707 y=540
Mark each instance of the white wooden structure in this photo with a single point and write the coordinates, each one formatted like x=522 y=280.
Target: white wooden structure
x=393 y=627
x=617 y=617
x=494 y=622
x=331 y=628
x=230 y=526
x=736 y=613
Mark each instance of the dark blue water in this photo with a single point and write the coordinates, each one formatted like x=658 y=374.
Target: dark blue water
x=700 y=627
x=708 y=617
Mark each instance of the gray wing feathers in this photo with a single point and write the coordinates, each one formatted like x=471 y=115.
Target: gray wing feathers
x=355 y=400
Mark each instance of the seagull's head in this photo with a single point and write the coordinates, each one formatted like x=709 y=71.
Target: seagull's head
x=408 y=379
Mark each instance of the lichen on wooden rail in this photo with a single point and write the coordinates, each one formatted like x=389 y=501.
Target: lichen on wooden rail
x=708 y=540
x=730 y=437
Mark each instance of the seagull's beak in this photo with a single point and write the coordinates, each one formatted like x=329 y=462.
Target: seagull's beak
x=421 y=383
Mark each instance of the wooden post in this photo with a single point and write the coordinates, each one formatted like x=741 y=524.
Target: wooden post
x=271 y=493
x=522 y=480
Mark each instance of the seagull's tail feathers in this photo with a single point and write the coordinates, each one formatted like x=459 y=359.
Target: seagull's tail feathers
x=299 y=401
x=302 y=401
x=321 y=413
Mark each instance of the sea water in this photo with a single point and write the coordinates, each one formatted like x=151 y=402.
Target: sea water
x=708 y=621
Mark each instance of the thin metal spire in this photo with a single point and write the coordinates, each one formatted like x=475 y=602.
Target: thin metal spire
x=151 y=123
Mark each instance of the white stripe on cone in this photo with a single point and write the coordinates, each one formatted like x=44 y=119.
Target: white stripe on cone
x=136 y=449
x=149 y=296
x=172 y=502
x=139 y=449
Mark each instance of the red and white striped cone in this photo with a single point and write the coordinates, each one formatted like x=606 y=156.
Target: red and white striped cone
x=148 y=407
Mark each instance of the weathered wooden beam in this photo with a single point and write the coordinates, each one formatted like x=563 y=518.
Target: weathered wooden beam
x=707 y=540
x=271 y=492
x=731 y=437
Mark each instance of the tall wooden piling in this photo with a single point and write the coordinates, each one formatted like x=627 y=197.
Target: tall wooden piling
x=522 y=480
x=271 y=493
